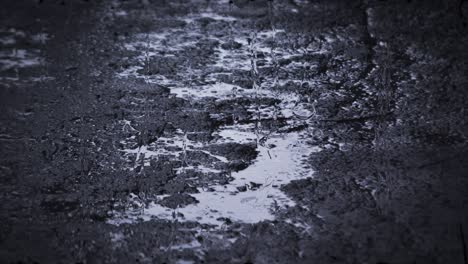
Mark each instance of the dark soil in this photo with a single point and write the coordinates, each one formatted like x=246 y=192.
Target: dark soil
x=389 y=90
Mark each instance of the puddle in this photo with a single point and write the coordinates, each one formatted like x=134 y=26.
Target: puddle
x=253 y=194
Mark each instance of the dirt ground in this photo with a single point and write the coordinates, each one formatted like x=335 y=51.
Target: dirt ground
x=198 y=131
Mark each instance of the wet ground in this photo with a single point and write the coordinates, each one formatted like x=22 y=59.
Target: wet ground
x=198 y=131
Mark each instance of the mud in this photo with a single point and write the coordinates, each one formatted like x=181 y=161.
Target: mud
x=252 y=132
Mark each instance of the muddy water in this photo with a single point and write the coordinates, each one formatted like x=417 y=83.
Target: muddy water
x=253 y=194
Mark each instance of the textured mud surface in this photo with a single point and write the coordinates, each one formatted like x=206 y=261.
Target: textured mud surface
x=247 y=132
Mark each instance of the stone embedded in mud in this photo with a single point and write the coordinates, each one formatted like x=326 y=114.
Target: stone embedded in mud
x=241 y=188
x=226 y=220
x=178 y=200
x=251 y=186
x=254 y=185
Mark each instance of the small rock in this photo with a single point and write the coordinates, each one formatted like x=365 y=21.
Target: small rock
x=226 y=220
x=241 y=188
x=255 y=186
x=178 y=200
